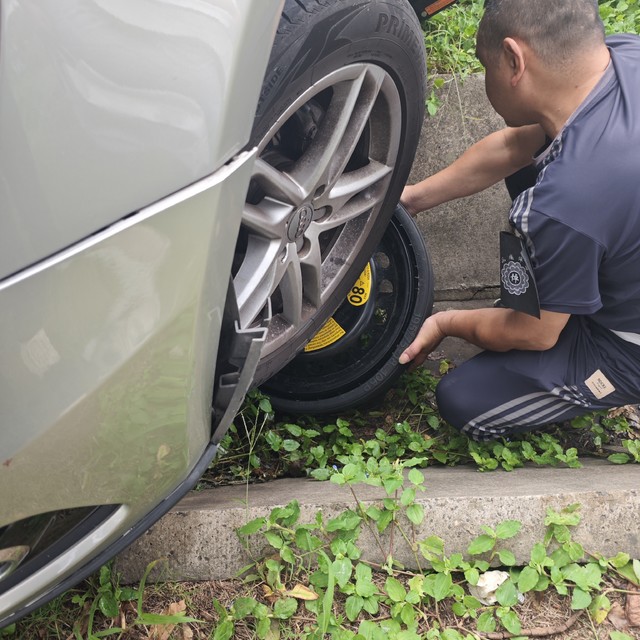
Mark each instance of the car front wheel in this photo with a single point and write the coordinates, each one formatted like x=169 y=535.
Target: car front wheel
x=336 y=129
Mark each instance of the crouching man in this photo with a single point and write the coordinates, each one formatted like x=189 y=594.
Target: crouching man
x=567 y=339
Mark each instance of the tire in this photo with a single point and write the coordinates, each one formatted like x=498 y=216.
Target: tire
x=336 y=128
x=358 y=367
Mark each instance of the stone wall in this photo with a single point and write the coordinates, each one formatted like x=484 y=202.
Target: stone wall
x=462 y=236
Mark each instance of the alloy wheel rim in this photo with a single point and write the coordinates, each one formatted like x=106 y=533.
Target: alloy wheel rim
x=316 y=202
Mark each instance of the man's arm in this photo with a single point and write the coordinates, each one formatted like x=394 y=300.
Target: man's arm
x=482 y=165
x=492 y=329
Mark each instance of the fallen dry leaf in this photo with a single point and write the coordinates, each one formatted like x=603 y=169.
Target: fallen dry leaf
x=632 y=609
x=269 y=595
x=617 y=617
x=163 y=631
x=187 y=633
x=301 y=593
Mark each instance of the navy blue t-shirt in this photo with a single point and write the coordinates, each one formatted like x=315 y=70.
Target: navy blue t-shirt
x=581 y=220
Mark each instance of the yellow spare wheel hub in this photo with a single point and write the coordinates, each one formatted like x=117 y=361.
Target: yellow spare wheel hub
x=331 y=331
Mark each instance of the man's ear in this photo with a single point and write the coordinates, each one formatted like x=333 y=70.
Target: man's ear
x=516 y=59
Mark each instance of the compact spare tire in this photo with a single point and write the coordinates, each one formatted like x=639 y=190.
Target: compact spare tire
x=336 y=128
x=353 y=359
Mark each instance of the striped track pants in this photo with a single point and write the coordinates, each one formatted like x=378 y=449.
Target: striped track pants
x=502 y=394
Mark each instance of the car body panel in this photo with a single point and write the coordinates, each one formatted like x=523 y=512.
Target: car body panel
x=107 y=106
x=131 y=385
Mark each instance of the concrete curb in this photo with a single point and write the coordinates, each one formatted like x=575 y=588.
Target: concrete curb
x=199 y=542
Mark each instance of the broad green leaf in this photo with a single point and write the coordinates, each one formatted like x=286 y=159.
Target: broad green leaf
x=508 y=529
x=481 y=544
x=243 y=607
x=628 y=572
x=619 y=560
x=321 y=474
x=274 y=539
x=346 y=521
x=252 y=526
x=511 y=622
x=294 y=430
x=287 y=554
x=395 y=590
x=290 y=445
x=431 y=546
x=636 y=569
x=415 y=513
x=472 y=576
x=353 y=606
x=371 y=605
x=486 y=622
x=306 y=541
x=263 y=627
x=618 y=635
x=619 y=458
x=408 y=496
x=285 y=608
x=472 y=603
x=543 y=583
x=528 y=579
x=408 y=615
x=507 y=594
x=538 y=553
x=580 y=599
x=342 y=568
x=416 y=477
x=506 y=557
x=600 y=608
x=108 y=605
x=224 y=631
x=442 y=586
x=161 y=618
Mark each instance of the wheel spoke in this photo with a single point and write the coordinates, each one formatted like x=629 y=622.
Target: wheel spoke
x=277 y=185
x=268 y=220
x=257 y=278
x=355 y=193
x=311 y=264
x=291 y=288
x=334 y=144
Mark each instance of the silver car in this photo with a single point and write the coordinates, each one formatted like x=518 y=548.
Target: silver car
x=188 y=191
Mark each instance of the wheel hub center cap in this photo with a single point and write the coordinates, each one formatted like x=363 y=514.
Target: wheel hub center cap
x=299 y=222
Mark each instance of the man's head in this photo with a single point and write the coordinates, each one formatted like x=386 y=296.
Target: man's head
x=533 y=49
x=557 y=31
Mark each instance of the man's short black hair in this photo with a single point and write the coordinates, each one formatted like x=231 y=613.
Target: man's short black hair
x=556 y=30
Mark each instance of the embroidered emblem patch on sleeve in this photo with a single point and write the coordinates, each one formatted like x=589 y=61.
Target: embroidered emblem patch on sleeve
x=514 y=278
x=518 y=288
